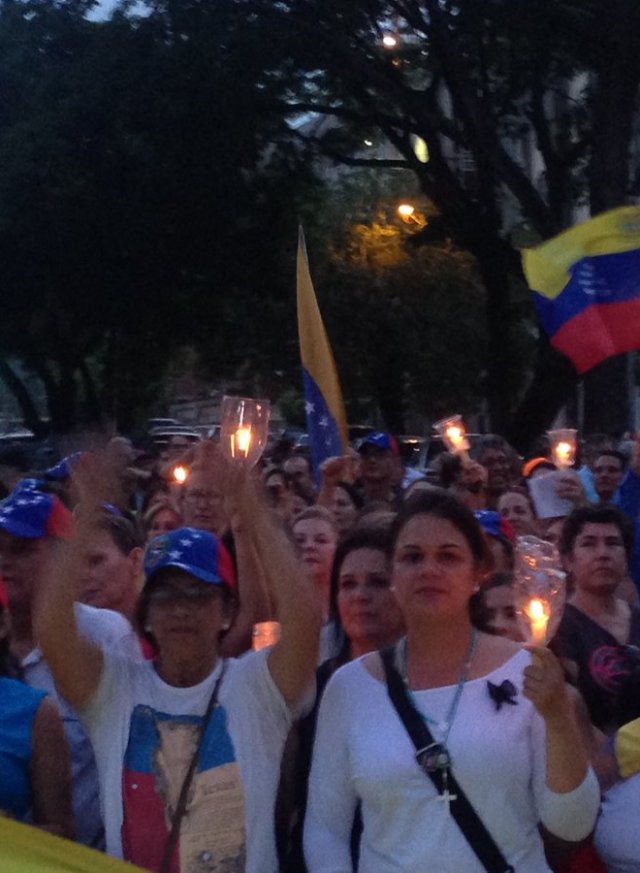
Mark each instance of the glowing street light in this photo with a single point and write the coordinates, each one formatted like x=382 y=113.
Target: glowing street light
x=406 y=211
x=389 y=41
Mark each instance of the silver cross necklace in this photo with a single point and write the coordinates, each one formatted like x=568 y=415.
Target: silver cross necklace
x=436 y=757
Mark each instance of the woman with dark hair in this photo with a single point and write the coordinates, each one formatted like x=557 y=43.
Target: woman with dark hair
x=346 y=503
x=451 y=726
x=365 y=617
x=35 y=769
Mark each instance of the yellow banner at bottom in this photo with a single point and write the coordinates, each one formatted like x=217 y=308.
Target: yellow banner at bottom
x=26 y=849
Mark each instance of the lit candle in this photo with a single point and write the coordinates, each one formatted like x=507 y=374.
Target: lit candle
x=563 y=446
x=563 y=454
x=180 y=474
x=538 y=619
x=456 y=435
x=242 y=441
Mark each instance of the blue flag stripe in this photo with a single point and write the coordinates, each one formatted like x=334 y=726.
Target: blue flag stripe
x=323 y=430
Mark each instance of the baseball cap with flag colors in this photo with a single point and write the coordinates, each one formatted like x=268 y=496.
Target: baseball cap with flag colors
x=30 y=513
x=197 y=552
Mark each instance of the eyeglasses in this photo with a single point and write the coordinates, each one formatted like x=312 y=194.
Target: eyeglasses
x=195 y=595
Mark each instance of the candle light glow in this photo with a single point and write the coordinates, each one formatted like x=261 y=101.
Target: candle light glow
x=563 y=447
x=180 y=474
x=538 y=614
x=242 y=442
x=453 y=433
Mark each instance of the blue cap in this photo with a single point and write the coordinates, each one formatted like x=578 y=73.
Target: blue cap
x=381 y=440
x=30 y=513
x=197 y=552
x=63 y=468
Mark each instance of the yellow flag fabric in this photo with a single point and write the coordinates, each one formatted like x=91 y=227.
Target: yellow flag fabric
x=26 y=849
x=326 y=419
x=547 y=266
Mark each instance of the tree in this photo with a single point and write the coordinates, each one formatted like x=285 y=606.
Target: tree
x=479 y=80
x=406 y=323
x=137 y=201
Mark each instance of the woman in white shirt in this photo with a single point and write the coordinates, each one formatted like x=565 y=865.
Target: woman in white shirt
x=501 y=716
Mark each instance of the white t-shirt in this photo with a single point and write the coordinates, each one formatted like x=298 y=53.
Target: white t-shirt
x=363 y=752
x=144 y=734
x=111 y=632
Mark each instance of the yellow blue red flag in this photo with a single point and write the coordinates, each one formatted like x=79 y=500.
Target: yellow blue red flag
x=326 y=420
x=26 y=849
x=586 y=285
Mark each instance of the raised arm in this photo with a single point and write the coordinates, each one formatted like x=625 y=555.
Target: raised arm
x=76 y=663
x=569 y=805
x=292 y=661
x=51 y=773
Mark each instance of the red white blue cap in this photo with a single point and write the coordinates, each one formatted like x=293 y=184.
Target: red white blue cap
x=197 y=552
x=30 y=513
x=381 y=440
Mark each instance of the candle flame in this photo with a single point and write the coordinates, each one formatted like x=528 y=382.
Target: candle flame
x=180 y=474
x=564 y=451
x=537 y=610
x=455 y=434
x=243 y=440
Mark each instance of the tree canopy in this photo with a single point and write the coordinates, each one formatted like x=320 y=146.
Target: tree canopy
x=486 y=83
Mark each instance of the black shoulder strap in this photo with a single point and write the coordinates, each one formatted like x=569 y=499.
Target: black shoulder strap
x=181 y=806
x=463 y=812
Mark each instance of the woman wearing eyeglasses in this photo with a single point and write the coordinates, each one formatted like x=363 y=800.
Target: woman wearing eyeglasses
x=188 y=745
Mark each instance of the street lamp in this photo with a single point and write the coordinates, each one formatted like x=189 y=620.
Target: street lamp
x=407 y=213
x=389 y=41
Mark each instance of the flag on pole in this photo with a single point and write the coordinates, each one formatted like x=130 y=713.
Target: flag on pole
x=25 y=849
x=586 y=285
x=326 y=419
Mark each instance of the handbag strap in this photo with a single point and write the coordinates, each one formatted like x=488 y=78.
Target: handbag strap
x=181 y=807
x=462 y=810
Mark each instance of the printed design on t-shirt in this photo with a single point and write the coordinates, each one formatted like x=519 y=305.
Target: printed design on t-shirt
x=611 y=665
x=159 y=750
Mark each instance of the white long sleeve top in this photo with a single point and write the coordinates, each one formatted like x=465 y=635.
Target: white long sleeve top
x=363 y=753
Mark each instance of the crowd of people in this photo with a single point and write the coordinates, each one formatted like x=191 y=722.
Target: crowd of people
x=399 y=720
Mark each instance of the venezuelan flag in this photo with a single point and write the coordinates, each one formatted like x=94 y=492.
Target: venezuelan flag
x=26 y=849
x=586 y=284
x=326 y=420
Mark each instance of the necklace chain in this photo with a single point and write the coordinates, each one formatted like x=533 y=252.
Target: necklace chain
x=446 y=729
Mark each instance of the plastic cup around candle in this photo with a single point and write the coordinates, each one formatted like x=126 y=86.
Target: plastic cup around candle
x=453 y=433
x=245 y=428
x=265 y=633
x=539 y=589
